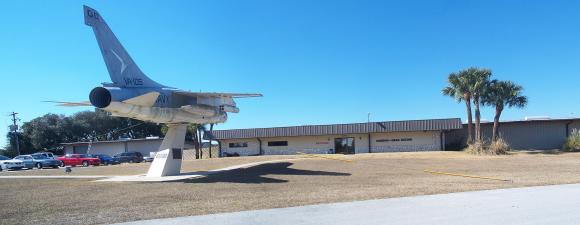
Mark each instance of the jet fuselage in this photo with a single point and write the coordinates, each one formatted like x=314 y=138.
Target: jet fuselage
x=165 y=107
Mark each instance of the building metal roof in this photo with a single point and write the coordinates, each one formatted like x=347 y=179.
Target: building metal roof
x=569 y=119
x=113 y=141
x=352 y=128
x=157 y=139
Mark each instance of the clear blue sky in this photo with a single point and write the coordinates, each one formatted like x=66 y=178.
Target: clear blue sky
x=316 y=62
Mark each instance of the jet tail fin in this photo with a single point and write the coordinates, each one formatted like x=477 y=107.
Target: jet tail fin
x=122 y=69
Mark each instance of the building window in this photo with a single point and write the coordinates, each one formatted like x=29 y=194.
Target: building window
x=395 y=140
x=278 y=143
x=239 y=145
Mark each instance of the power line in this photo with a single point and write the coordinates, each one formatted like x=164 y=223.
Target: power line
x=111 y=132
x=119 y=130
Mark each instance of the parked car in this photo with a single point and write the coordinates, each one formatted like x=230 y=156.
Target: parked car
x=46 y=154
x=130 y=157
x=10 y=164
x=106 y=160
x=79 y=159
x=37 y=160
x=148 y=159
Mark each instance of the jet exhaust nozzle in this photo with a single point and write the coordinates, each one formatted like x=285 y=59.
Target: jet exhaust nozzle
x=100 y=97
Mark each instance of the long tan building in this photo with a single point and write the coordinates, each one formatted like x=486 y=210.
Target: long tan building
x=388 y=136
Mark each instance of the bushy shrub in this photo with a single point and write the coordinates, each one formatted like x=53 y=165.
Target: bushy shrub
x=476 y=148
x=573 y=141
x=498 y=147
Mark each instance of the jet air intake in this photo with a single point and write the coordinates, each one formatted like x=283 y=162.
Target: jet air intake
x=100 y=97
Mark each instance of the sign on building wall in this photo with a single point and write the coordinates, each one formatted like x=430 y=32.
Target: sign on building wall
x=394 y=140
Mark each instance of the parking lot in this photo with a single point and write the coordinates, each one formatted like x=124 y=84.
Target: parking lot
x=294 y=182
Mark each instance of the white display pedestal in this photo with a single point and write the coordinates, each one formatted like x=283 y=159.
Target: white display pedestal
x=167 y=161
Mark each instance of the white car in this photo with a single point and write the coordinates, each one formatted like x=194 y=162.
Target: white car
x=147 y=159
x=10 y=164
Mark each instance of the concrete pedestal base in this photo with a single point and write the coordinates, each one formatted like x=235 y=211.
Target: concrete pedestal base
x=167 y=161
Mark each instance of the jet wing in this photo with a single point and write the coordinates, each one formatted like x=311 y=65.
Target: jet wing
x=144 y=100
x=216 y=94
x=71 y=104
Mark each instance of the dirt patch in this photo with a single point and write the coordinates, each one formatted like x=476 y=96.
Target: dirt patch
x=274 y=185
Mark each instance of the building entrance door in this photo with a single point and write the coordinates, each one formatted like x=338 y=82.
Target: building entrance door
x=344 y=145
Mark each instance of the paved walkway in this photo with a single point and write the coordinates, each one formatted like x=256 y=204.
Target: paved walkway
x=55 y=177
x=558 y=205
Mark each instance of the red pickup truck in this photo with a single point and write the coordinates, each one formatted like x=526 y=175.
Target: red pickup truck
x=79 y=159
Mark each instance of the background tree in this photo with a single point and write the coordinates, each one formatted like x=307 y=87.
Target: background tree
x=99 y=125
x=198 y=130
x=25 y=145
x=45 y=132
x=500 y=94
x=192 y=128
x=48 y=131
x=458 y=88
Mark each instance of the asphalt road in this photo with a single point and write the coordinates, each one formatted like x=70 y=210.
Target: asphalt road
x=554 y=205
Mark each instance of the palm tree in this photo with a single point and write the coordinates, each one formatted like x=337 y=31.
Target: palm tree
x=473 y=81
x=458 y=88
x=479 y=81
x=500 y=94
x=469 y=85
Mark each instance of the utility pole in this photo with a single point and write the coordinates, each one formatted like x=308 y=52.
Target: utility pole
x=369 y=118
x=14 y=129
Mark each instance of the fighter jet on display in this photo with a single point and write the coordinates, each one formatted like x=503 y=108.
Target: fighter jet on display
x=134 y=95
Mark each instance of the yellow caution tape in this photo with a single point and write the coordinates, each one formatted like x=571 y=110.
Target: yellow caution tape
x=463 y=175
x=325 y=157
